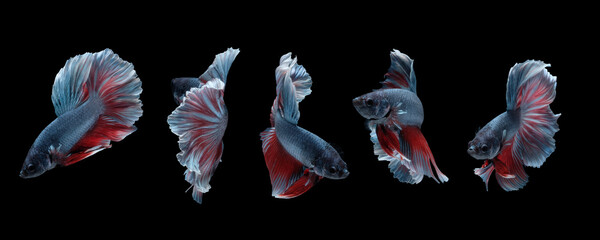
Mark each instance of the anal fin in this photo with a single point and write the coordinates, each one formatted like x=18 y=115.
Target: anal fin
x=97 y=139
x=307 y=181
x=408 y=152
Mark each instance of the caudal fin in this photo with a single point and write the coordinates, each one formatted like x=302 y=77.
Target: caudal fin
x=200 y=122
x=106 y=78
x=530 y=91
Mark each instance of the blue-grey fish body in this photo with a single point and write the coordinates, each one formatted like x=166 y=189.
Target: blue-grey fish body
x=295 y=157
x=96 y=100
x=395 y=115
x=311 y=150
x=524 y=134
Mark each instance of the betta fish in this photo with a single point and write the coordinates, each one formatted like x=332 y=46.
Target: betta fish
x=295 y=157
x=395 y=115
x=200 y=121
x=96 y=98
x=524 y=134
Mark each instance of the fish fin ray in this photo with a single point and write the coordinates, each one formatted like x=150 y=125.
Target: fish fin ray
x=510 y=172
x=530 y=90
x=386 y=146
x=400 y=74
x=106 y=77
x=293 y=85
x=200 y=123
x=485 y=172
x=220 y=66
x=303 y=184
x=414 y=146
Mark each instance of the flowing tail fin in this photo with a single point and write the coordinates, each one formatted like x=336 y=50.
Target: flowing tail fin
x=200 y=122
x=530 y=91
x=105 y=77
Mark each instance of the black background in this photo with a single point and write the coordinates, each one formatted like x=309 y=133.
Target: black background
x=462 y=59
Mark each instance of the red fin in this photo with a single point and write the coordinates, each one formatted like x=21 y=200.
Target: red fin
x=288 y=176
x=509 y=171
x=530 y=90
x=200 y=123
x=485 y=172
x=400 y=74
x=414 y=146
x=302 y=185
x=388 y=140
x=411 y=149
x=106 y=78
x=97 y=139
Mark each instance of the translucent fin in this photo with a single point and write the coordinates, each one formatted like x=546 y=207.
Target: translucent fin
x=531 y=90
x=300 y=78
x=70 y=89
x=220 y=66
x=104 y=77
x=415 y=147
x=400 y=74
x=200 y=122
x=485 y=172
x=217 y=70
x=411 y=153
x=293 y=85
x=510 y=173
x=303 y=184
x=387 y=147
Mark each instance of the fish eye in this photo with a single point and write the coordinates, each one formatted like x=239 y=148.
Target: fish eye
x=484 y=148
x=332 y=170
x=30 y=168
x=369 y=102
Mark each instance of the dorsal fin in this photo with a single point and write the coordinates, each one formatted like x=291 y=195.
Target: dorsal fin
x=400 y=74
x=293 y=85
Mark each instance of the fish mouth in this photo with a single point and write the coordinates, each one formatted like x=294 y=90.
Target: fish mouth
x=381 y=118
x=24 y=175
x=343 y=175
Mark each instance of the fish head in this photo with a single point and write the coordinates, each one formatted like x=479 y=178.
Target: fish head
x=36 y=163
x=372 y=105
x=484 y=146
x=180 y=86
x=330 y=165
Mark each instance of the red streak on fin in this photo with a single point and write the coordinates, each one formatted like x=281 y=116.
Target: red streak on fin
x=302 y=185
x=388 y=140
x=510 y=172
x=97 y=139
